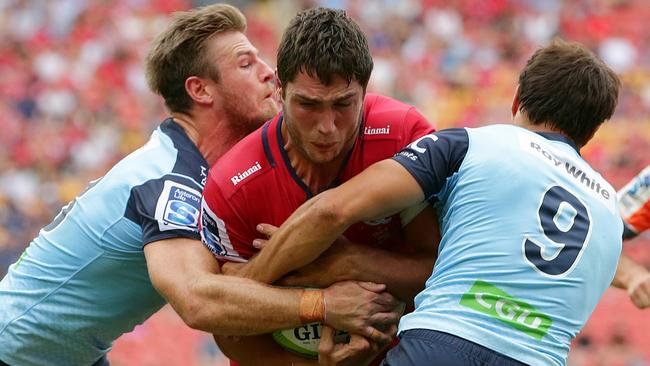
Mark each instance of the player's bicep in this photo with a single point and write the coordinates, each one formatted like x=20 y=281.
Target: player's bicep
x=165 y=208
x=433 y=158
x=381 y=190
x=172 y=262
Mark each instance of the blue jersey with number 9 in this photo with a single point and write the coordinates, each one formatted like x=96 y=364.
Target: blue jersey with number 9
x=531 y=237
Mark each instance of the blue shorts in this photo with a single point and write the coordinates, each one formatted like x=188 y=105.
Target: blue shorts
x=420 y=347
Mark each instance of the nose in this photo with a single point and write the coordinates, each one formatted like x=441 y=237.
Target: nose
x=326 y=121
x=266 y=73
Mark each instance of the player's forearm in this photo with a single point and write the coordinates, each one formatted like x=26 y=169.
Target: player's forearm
x=627 y=271
x=186 y=274
x=259 y=350
x=306 y=234
x=404 y=275
x=214 y=304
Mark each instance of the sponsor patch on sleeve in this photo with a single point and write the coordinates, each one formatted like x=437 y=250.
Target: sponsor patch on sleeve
x=178 y=207
x=215 y=236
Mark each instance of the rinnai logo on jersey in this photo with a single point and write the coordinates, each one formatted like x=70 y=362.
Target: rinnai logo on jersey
x=376 y=131
x=245 y=174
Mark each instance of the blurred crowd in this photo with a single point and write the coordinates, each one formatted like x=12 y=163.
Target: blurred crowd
x=73 y=96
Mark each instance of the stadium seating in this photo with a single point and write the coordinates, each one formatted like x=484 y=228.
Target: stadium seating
x=73 y=100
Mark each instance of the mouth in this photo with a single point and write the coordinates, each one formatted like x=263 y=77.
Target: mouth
x=324 y=147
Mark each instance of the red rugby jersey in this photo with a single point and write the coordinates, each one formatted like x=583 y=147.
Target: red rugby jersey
x=255 y=183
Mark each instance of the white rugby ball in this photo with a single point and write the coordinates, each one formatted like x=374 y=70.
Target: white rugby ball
x=305 y=339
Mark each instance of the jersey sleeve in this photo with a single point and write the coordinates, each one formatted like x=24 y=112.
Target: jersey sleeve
x=166 y=208
x=433 y=158
x=417 y=125
x=634 y=204
x=223 y=230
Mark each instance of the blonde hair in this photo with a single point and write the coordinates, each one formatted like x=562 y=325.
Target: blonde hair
x=180 y=51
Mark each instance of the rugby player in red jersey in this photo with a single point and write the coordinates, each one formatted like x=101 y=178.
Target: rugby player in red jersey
x=329 y=131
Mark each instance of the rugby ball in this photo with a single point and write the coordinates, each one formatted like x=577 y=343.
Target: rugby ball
x=304 y=340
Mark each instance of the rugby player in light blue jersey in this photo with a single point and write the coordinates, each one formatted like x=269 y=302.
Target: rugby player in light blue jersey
x=531 y=234
x=102 y=265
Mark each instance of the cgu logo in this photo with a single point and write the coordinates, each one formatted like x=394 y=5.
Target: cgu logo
x=508 y=310
x=496 y=303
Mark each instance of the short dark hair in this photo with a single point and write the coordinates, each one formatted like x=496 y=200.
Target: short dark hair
x=324 y=42
x=179 y=51
x=565 y=86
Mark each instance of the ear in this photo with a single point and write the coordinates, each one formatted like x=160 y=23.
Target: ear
x=199 y=90
x=515 y=103
x=279 y=92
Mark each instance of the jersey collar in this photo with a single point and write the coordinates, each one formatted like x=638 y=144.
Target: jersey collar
x=180 y=139
x=554 y=136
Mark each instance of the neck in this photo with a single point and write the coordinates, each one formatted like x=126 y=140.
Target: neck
x=212 y=134
x=317 y=177
x=521 y=121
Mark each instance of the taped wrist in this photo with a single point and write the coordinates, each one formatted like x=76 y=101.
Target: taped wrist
x=312 y=306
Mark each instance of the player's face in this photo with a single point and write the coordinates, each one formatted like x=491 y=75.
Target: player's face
x=246 y=82
x=322 y=120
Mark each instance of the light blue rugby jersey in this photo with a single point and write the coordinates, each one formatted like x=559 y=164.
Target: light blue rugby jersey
x=83 y=281
x=531 y=237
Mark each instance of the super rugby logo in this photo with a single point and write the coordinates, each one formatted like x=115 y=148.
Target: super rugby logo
x=178 y=207
x=245 y=174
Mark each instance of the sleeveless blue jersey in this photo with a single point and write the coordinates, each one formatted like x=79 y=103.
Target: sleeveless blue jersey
x=531 y=237
x=83 y=281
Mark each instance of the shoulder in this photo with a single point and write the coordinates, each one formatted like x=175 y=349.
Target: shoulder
x=388 y=118
x=168 y=151
x=379 y=108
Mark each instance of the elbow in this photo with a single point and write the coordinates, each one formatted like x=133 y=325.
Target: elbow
x=327 y=209
x=191 y=314
x=204 y=318
x=195 y=311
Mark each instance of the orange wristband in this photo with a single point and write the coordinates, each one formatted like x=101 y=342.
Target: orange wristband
x=312 y=306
